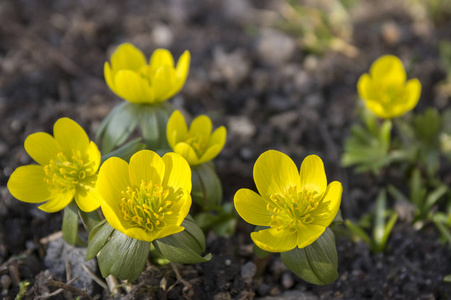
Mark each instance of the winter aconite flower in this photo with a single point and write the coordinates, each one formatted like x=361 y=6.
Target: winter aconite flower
x=297 y=208
x=385 y=90
x=68 y=164
x=147 y=199
x=135 y=80
x=198 y=144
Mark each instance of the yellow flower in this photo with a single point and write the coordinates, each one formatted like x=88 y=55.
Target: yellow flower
x=198 y=144
x=385 y=90
x=68 y=164
x=296 y=206
x=132 y=79
x=147 y=199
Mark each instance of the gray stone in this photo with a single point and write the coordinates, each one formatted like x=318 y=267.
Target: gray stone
x=248 y=271
x=275 y=47
x=291 y=295
x=58 y=253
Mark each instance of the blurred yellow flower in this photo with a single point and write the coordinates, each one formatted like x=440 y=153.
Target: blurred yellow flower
x=147 y=199
x=68 y=164
x=385 y=90
x=198 y=144
x=132 y=79
x=296 y=206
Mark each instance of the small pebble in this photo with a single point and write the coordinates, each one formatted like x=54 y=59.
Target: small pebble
x=5 y=281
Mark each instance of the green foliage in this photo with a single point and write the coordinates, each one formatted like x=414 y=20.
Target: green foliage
x=207 y=188
x=381 y=227
x=222 y=222
x=316 y=263
x=23 y=287
x=424 y=197
x=367 y=147
x=184 y=247
x=319 y=27
x=122 y=121
x=70 y=223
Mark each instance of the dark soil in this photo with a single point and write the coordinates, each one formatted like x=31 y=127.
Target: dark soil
x=268 y=92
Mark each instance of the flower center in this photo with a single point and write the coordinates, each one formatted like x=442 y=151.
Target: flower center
x=66 y=172
x=198 y=143
x=147 y=206
x=146 y=72
x=291 y=209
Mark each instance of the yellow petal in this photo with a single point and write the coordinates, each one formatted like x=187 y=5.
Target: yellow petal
x=413 y=93
x=113 y=219
x=366 y=88
x=113 y=178
x=333 y=196
x=27 y=184
x=187 y=152
x=388 y=68
x=94 y=155
x=251 y=207
x=218 y=137
x=146 y=166
x=273 y=240
x=168 y=231
x=274 y=172
x=58 y=202
x=376 y=108
x=177 y=172
x=201 y=126
x=308 y=234
x=70 y=135
x=87 y=198
x=139 y=234
x=313 y=176
x=127 y=57
x=211 y=153
x=42 y=147
x=184 y=209
x=109 y=76
x=163 y=83
x=131 y=87
x=182 y=71
x=161 y=57
x=176 y=129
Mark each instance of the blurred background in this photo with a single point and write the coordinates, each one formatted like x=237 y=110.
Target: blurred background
x=278 y=74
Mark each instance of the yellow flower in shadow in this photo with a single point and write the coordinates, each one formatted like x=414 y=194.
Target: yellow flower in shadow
x=68 y=164
x=198 y=144
x=297 y=207
x=147 y=199
x=137 y=81
x=385 y=90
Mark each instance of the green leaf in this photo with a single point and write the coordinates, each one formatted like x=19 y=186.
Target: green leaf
x=444 y=230
x=207 y=188
x=126 y=151
x=316 y=263
x=379 y=218
x=359 y=232
x=123 y=257
x=417 y=190
x=90 y=219
x=447 y=278
x=70 y=223
x=260 y=252
x=118 y=126
x=98 y=237
x=184 y=247
x=434 y=196
x=153 y=120
x=388 y=229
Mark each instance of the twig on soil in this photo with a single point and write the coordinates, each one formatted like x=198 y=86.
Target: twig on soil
x=113 y=285
x=186 y=285
x=69 y=288
x=14 y=273
x=51 y=237
x=58 y=291
x=68 y=277
x=95 y=277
